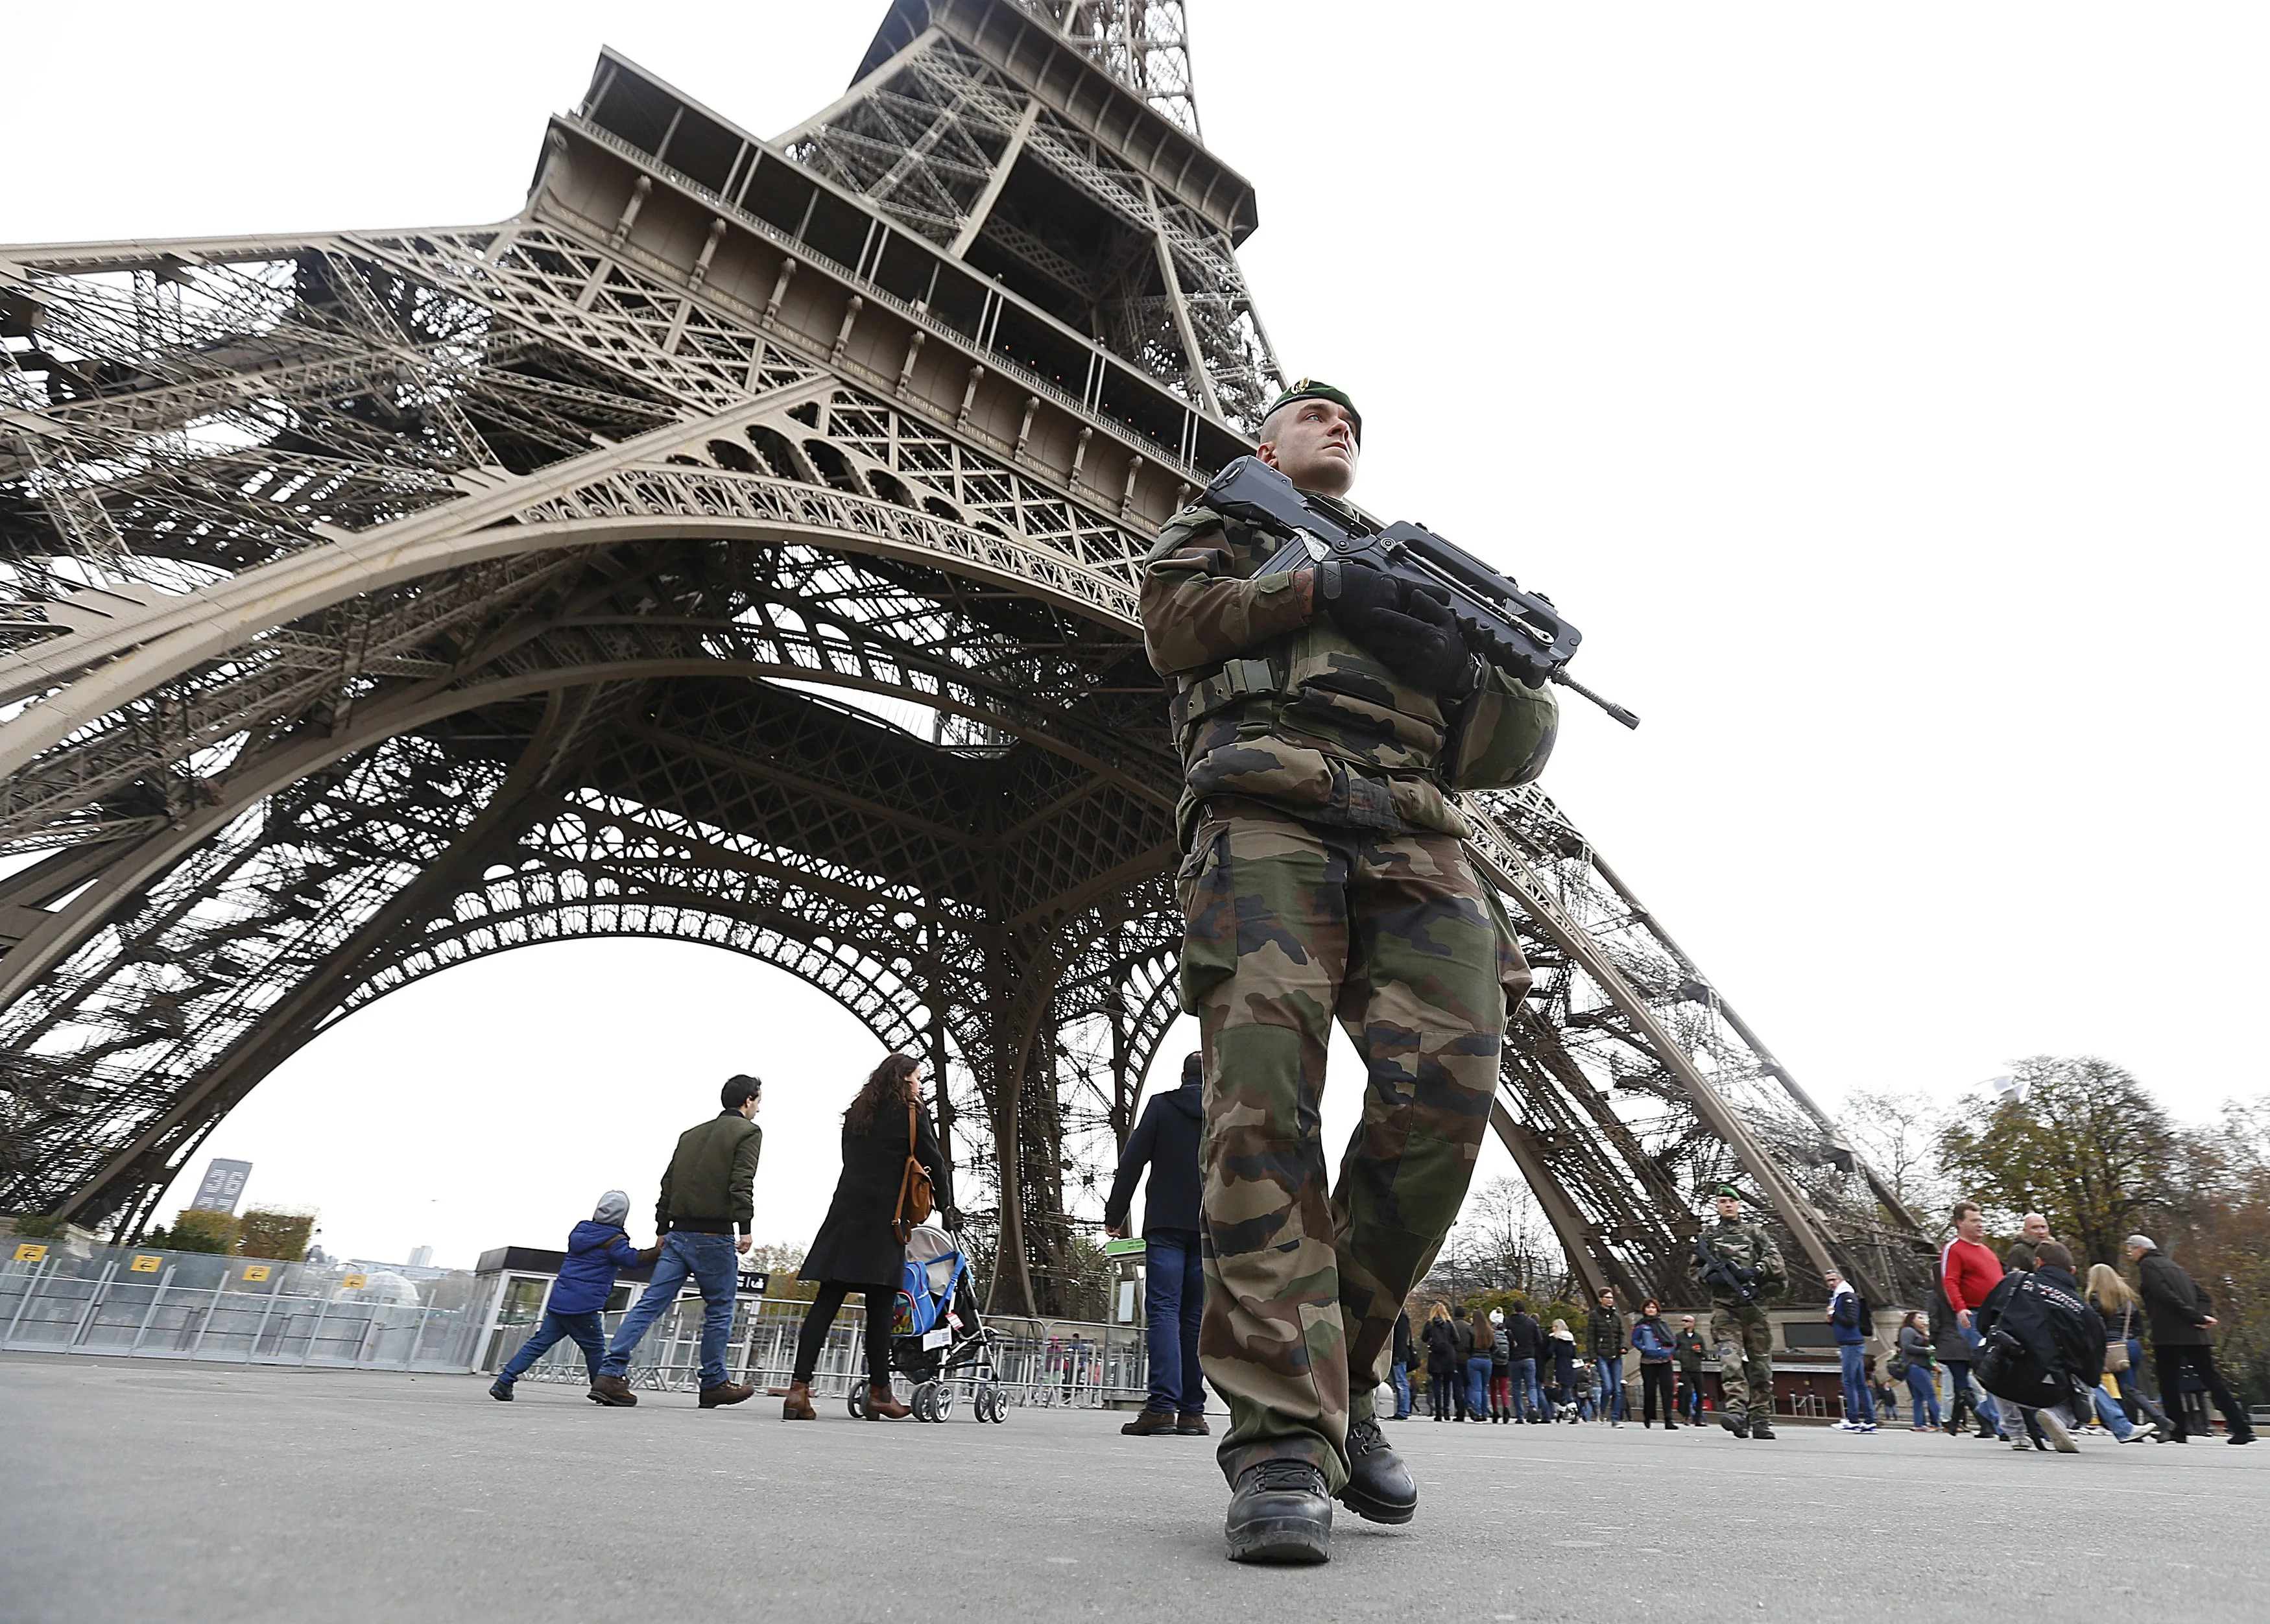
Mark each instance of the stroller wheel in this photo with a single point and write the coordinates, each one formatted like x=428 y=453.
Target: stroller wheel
x=942 y=1405
x=991 y=1405
x=926 y=1402
x=857 y=1402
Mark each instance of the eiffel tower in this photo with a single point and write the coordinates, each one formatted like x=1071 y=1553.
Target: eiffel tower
x=739 y=545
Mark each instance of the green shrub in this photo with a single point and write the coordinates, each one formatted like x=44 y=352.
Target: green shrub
x=283 y=1235
x=194 y=1231
x=34 y=1227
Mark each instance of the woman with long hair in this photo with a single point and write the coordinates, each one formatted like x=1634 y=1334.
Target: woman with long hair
x=1922 y=1359
x=859 y=1248
x=2122 y=1310
x=1561 y=1344
x=1481 y=1335
x=1653 y=1340
x=1442 y=1377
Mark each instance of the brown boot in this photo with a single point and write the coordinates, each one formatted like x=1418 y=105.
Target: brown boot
x=725 y=1393
x=612 y=1390
x=1150 y=1424
x=882 y=1407
x=798 y=1405
x=1192 y=1424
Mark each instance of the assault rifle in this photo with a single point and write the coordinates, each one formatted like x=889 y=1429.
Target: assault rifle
x=1724 y=1274
x=1519 y=632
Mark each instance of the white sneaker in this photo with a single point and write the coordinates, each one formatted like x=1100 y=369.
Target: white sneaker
x=2060 y=1436
x=1867 y=1427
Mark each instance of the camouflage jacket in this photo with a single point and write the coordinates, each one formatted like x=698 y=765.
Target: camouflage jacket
x=1274 y=703
x=1750 y=1247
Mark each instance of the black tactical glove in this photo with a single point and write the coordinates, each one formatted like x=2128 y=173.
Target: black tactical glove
x=1409 y=628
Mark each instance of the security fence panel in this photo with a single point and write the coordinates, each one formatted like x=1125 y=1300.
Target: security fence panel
x=156 y=1303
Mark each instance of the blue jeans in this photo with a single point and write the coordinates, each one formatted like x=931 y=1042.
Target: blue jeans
x=1174 y=1298
x=2111 y=1416
x=1478 y=1388
x=1399 y=1377
x=1528 y=1398
x=1860 y=1404
x=1611 y=1387
x=584 y=1327
x=708 y=1260
x=1921 y=1395
x=1987 y=1412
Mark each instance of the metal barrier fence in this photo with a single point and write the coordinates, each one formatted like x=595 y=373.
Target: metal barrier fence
x=152 y=1304
x=70 y=1297
x=1063 y=1364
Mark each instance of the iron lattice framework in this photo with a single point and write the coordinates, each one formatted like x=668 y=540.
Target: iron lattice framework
x=738 y=544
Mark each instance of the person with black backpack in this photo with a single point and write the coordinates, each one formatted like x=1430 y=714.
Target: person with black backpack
x=2044 y=1346
x=1852 y=1322
x=1915 y=1361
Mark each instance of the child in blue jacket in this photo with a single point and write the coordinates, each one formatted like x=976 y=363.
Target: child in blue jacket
x=597 y=1250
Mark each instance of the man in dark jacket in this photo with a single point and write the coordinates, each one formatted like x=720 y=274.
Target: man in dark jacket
x=2183 y=1339
x=1399 y=1366
x=702 y=1217
x=1174 y=1285
x=2044 y=1346
x=1690 y=1350
x=1604 y=1337
x=1524 y=1342
x=598 y=1250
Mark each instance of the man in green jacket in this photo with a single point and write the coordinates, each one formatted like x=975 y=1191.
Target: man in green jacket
x=703 y=1220
x=1328 y=717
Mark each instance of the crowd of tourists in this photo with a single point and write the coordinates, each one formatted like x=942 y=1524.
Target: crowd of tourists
x=2023 y=1348
x=1505 y=1366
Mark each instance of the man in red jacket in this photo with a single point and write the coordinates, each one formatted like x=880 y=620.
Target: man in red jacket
x=1968 y=1270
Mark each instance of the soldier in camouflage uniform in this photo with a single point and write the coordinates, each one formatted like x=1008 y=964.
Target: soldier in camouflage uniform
x=1738 y=1329
x=1327 y=717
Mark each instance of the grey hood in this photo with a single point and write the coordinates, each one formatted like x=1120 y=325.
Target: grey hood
x=613 y=1207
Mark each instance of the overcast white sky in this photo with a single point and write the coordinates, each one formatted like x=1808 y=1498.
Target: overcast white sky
x=1881 y=389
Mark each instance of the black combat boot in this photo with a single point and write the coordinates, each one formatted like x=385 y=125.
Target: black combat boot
x=1735 y=1422
x=1379 y=1487
x=1279 y=1513
x=1762 y=1427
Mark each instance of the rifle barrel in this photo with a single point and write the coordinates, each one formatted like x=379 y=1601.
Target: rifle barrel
x=1562 y=676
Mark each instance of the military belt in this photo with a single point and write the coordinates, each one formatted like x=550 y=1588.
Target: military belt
x=1233 y=681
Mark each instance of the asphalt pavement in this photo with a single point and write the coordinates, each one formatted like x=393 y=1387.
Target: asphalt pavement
x=152 y=1492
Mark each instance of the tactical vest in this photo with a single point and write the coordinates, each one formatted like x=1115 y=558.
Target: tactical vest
x=1312 y=723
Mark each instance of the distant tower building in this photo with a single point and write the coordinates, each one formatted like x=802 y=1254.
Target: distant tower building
x=421 y=1256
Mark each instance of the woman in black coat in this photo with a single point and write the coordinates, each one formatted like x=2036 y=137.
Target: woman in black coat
x=1441 y=1337
x=858 y=1248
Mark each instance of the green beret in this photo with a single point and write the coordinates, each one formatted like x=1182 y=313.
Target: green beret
x=1726 y=1190
x=1309 y=389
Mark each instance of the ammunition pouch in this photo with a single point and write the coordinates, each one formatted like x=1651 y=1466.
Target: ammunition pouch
x=1231 y=683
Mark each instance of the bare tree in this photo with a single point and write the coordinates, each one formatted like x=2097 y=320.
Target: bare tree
x=1898 y=1133
x=1502 y=1243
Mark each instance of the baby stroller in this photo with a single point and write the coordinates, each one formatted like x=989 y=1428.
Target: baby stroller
x=936 y=1338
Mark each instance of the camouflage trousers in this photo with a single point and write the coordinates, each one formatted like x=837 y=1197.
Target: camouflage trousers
x=1290 y=925
x=1744 y=1337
